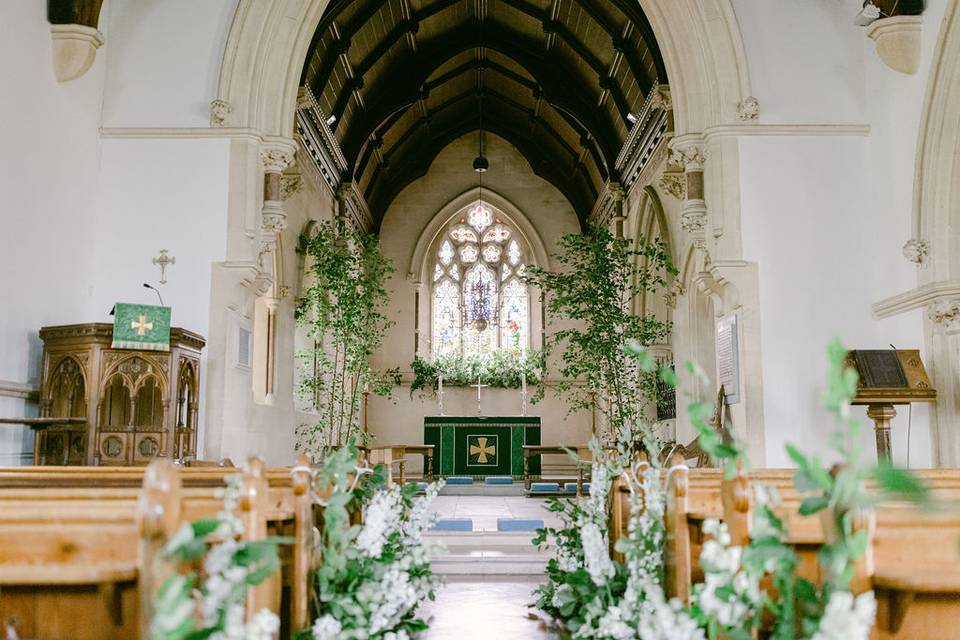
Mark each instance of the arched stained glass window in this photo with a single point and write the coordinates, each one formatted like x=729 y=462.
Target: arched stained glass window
x=480 y=303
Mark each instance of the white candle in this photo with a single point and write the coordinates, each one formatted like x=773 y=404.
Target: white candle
x=440 y=384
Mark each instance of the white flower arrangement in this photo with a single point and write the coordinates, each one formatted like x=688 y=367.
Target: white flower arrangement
x=372 y=578
x=847 y=617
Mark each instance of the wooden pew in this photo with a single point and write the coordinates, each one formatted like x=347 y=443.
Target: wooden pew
x=912 y=563
x=90 y=500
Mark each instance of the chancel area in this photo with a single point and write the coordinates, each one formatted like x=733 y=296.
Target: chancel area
x=395 y=319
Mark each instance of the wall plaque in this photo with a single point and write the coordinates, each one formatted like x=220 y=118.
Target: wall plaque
x=728 y=358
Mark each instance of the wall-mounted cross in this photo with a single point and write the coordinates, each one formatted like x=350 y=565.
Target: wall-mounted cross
x=164 y=261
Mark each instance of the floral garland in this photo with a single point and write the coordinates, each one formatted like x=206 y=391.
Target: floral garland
x=594 y=596
x=230 y=567
x=371 y=578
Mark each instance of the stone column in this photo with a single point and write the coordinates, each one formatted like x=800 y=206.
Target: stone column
x=276 y=157
x=691 y=156
x=618 y=218
x=943 y=365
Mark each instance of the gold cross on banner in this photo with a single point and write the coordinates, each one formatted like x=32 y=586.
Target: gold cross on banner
x=142 y=326
x=481 y=450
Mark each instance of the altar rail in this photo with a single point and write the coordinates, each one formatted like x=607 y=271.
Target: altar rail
x=76 y=542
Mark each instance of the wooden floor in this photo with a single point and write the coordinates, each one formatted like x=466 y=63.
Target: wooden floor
x=471 y=608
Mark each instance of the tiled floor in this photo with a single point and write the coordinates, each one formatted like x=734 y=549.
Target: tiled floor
x=470 y=608
x=484 y=510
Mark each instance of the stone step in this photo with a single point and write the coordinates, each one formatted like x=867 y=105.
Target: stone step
x=488 y=553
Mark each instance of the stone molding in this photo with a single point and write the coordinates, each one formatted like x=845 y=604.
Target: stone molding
x=74 y=50
x=806 y=130
x=919 y=298
x=11 y=389
x=691 y=156
x=898 y=42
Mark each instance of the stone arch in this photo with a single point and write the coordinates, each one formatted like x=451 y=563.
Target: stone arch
x=651 y=222
x=263 y=59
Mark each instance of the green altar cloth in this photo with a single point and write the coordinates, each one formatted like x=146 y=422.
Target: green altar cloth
x=481 y=446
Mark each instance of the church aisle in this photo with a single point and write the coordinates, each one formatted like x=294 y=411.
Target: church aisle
x=471 y=608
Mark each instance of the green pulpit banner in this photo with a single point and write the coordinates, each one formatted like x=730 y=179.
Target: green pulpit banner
x=141 y=326
x=481 y=446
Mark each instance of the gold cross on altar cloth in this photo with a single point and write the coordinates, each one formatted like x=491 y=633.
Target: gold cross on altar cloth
x=481 y=450
x=142 y=326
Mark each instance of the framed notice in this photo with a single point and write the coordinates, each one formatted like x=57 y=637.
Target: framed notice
x=728 y=358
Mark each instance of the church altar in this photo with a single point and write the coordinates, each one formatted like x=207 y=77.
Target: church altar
x=480 y=446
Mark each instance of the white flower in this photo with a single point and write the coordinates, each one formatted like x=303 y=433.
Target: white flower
x=846 y=617
x=596 y=554
x=399 y=635
x=660 y=620
x=613 y=625
x=382 y=518
x=326 y=628
x=264 y=625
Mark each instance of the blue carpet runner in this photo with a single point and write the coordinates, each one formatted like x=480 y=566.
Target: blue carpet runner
x=516 y=524
x=454 y=524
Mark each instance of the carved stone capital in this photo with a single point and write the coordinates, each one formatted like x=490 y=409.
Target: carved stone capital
x=290 y=184
x=616 y=191
x=276 y=158
x=946 y=314
x=674 y=291
x=916 y=250
x=674 y=183
x=690 y=156
x=693 y=220
x=748 y=109
x=220 y=110
x=661 y=98
x=305 y=98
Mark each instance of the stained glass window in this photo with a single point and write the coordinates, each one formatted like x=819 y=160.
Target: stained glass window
x=497 y=233
x=513 y=317
x=446 y=318
x=446 y=252
x=491 y=253
x=513 y=252
x=461 y=233
x=480 y=302
x=468 y=253
x=480 y=217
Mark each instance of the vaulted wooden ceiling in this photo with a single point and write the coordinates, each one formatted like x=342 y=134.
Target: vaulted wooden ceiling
x=556 y=78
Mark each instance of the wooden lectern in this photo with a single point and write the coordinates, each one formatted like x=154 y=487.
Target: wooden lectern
x=889 y=378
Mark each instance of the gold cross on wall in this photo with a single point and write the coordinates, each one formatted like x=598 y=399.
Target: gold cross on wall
x=482 y=450
x=142 y=326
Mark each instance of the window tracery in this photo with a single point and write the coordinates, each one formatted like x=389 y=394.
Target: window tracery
x=480 y=302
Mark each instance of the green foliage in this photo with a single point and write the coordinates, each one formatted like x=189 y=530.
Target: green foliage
x=499 y=369
x=344 y=310
x=350 y=577
x=594 y=295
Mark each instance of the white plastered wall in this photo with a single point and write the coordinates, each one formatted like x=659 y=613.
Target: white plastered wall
x=48 y=177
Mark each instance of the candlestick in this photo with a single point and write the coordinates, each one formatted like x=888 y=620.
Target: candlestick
x=523 y=393
x=440 y=392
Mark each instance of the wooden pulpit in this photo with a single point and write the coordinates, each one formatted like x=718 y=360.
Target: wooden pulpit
x=889 y=377
x=119 y=406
